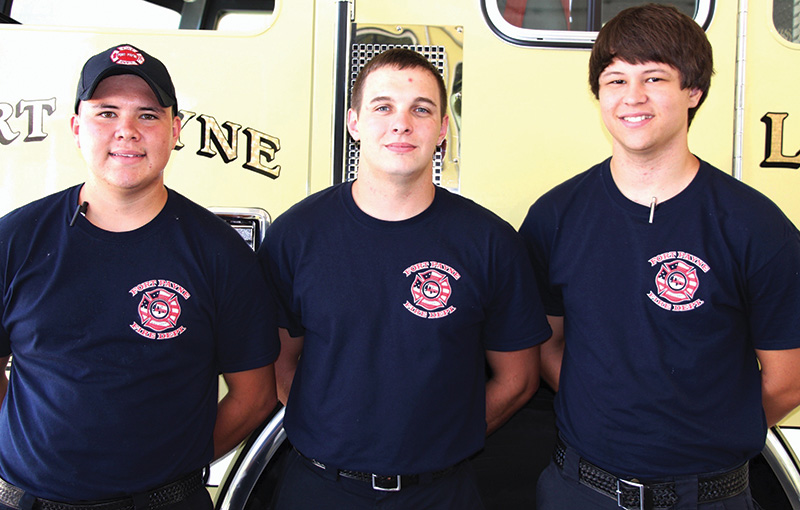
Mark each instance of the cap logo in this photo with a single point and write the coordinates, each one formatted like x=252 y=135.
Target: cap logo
x=127 y=56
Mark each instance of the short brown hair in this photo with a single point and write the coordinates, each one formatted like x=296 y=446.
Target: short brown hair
x=399 y=58
x=655 y=33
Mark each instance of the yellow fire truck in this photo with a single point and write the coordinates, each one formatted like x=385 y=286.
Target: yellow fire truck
x=263 y=89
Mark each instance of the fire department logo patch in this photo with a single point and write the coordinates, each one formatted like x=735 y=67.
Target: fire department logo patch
x=677 y=281
x=127 y=56
x=431 y=289
x=159 y=309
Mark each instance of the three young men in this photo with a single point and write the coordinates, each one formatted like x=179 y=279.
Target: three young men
x=660 y=398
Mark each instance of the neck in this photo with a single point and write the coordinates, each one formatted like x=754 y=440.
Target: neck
x=122 y=212
x=393 y=201
x=644 y=179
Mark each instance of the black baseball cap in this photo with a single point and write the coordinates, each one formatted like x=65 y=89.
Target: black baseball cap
x=126 y=59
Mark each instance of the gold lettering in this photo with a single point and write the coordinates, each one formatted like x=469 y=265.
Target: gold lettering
x=211 y=132
x=261 y=150
x=186 y=116
x=7 y=135
x=773 y=147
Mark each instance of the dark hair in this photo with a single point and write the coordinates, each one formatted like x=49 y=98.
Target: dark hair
x=399 y=58
x=655 y=33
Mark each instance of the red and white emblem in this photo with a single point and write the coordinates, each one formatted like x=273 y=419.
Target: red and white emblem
x=159 y=310
x=431 y=290
x=127 y=56
x=677 y=281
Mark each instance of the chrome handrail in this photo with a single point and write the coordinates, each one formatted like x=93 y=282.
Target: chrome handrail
x=255 y=461
x=784 y=463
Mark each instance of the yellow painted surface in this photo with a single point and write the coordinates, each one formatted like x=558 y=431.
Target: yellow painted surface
x=773 y=71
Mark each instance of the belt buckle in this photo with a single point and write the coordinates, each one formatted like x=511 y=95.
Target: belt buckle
x=386 y=483
x=634 y=485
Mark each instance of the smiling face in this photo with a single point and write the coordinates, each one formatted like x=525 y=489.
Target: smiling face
x=645 y=109
x=399 y=123
x=125 y=135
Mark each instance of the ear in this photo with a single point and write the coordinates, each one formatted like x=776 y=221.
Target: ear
x=75 y=126
x=443 y=129
x=176 y=129
x=352 y=124
x=694 y=97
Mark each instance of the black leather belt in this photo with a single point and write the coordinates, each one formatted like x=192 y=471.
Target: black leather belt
x=387 y=483
x=635 y=495
x=159 y=497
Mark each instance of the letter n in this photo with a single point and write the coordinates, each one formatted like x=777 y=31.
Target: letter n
x=211 y=132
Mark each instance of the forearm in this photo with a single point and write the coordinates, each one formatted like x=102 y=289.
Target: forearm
x=552 y=353
x=3 y=379
x=780 y=383
x=502 y=401
x=514 y=379
x=551 y=366
x=778 y=403
x=286 y=364
x=250 y=399
x=284 y=375
x=232 y=426
x=3 y=388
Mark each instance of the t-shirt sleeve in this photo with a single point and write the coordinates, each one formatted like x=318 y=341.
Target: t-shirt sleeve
x=277 y=264
x=516 y=318
x=538 y=231
x=246 y=328
x=774 y=298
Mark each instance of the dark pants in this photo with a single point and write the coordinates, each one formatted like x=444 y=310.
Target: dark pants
x=560 y=490
x=307 y=487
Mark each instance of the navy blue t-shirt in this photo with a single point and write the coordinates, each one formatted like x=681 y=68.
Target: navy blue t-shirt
x=661 y=320
x=396 y=318
x=117 y=340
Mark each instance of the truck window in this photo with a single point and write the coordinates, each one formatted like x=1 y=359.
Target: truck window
x=224 y=15
x=786 y=17
x=570 y=22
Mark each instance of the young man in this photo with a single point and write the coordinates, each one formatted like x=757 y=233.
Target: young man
x=396 y=293
x=121 y=302
x=666 y=282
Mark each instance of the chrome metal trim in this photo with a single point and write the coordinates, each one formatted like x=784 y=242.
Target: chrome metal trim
x=192 y=15
x=344 y=16
x=739 y=94
x=377 y=487
x=260 y=216
x=635 y=485
x=530 y=36
x=254 y=463
x=784 y=463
